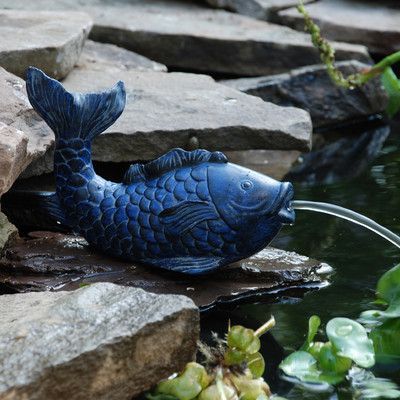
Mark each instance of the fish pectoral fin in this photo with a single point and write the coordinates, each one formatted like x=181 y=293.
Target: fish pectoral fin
x=186 y=265
x=134 y=174
x=186 y=215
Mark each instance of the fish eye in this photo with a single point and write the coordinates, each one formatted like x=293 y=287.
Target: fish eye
x=246 y=185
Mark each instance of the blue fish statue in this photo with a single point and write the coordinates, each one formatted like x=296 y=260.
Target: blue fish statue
x=189 y=212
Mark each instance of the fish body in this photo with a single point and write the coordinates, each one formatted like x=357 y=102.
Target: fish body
x=189 y=212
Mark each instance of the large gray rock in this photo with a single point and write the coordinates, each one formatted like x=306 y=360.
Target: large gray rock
x=371 y=23
x=51 y=41
x=14 y=156
x=261 y=9
x=167 y=110
x=311 y=89
x=17 y=113
x=99 y=342
x=184 y=34
x=102 y=56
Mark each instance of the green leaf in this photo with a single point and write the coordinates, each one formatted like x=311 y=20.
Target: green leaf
x=392 y=87
x=256 y=364
x=388 y=288
x=313 y=324
x=330 y=362
x=301 y=365
x=350 y=339
x=187 y=385
x=386 y=339
x=373 y=316
x=243 y=339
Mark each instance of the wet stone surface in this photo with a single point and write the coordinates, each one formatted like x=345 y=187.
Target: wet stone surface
x=311 y=89
x=54 y=261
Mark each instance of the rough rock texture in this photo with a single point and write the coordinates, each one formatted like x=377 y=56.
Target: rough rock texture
x=54 y=261
x=274 y=163
x=166 y=110
x=103 y=341
x=14 y=156
x=311 y=89
x=51 y=41
x=371 y=23
x=261 y=9
x=8 y=232
x=187 y=35
x=101 y=56
x=210 y=40
x=17 y=113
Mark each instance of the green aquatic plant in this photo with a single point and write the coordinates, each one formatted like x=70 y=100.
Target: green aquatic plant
x=385 y=323
x=232 y=370
x=383 y=68
x=329 y=362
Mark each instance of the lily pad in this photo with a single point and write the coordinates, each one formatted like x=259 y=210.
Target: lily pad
x=388 y=288
x=350 y=340
x=303 y=366
x=386 y=341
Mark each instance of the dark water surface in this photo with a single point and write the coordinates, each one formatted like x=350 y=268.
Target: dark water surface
x=358 y=256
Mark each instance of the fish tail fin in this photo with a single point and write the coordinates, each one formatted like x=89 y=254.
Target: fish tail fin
x=73 y=115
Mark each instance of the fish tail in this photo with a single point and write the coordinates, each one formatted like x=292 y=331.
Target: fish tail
x=73 y=115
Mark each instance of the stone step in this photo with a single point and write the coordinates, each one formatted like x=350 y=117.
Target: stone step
x=52 y=41
x=311 y=89
x=260 y=9
x=189 y=36
x=101 y=342
x=102 y=56
x=373 y=24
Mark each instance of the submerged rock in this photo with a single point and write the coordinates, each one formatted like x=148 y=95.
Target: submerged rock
x=102 y=341
x=102 y=56
x=261 y=9
x=54 y=261
x=371 y=23
x=184 y=34
x=311 y=89
x=51 y=41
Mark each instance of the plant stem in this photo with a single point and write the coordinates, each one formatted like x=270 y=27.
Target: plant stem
x=266 y=327
x=327 y=54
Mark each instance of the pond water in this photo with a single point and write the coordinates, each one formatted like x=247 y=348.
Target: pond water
x=358 y=256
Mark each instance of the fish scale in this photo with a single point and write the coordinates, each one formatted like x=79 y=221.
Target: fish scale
x=188 y=212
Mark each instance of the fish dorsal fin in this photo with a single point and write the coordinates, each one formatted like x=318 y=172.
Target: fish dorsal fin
x=175 y=158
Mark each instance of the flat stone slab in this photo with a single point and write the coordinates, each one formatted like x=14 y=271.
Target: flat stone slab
x=54 y=261
x=102 y=56
x=261 y=9
x=102 y=342
x=189 y=36
x=374 y=24
x=51 y=41
x=36 y=137
x=168 y=110
x=311 y=89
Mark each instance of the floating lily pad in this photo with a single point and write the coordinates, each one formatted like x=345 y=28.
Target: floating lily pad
x=350 y=340
x=386 y=339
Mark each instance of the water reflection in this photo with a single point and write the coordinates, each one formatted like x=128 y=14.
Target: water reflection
x=358 y=256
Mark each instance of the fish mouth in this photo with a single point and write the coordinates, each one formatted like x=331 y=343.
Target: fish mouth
x=286 y=212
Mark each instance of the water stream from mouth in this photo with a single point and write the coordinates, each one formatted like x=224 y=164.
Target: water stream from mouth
x=349 y=215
